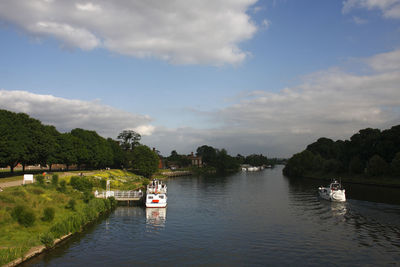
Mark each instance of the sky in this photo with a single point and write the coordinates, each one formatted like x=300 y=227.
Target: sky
x=266 y=76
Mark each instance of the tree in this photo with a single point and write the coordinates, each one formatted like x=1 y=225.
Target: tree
x=129 y=139
x=145 y=161
x=299 y=164
x=356 y=166
x=395 y=165
x=377 y=166
x=208 y=154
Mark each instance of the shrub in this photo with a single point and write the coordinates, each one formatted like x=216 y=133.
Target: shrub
x=81 y=183
x=48 y=214
x=54 y=180
x=24 y=216
x=71 y=204
x=47 y=239
x=39 y=179
x=63 y=186
x=103 y=183
x=87 y=196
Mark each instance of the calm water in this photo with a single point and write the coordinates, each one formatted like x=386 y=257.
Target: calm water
x=247 y=219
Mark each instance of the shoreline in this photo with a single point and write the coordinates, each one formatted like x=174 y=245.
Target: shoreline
x=35 y=251
x=352 y=181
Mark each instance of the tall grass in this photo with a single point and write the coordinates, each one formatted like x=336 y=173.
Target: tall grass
x=58 y=218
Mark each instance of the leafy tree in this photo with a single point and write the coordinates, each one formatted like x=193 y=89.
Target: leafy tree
x=225 y=162
x=395 y=165
x=299 y=164
x=145 y=161
x=208 y=154
x=99 y=153
x=119 y=156
x=356 y=165
x=129 y=139
x=377 y=166
x=256 y=160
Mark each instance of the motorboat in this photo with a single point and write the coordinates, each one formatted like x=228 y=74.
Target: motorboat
x=156 y=194
x=333 y=192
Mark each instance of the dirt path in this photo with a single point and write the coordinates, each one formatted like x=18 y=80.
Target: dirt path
x=12 y=183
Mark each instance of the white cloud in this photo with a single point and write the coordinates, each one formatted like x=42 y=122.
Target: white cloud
x=67 y=114
x=181 y=32
x=330 y=103
x=359 y=21
x=389 y=8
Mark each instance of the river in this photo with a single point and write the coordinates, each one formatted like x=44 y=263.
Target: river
x=246 y=219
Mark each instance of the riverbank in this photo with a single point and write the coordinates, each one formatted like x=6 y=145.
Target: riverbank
x=34 y=217
x=345 y=178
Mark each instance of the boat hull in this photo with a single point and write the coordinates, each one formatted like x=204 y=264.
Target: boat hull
x=336 y=196
x=156 y=200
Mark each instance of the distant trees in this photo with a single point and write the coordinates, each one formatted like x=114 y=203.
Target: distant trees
x=129 y=139
x=145 y=161
x=27 y=141
x=217 y=158
x=370 y=152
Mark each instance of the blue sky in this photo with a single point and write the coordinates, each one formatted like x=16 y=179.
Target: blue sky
x=251 y=76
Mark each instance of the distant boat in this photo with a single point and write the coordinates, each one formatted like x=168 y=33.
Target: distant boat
x=333 y=192
x=156 y=194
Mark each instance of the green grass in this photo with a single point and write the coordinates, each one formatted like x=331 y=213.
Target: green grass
x=16 y=239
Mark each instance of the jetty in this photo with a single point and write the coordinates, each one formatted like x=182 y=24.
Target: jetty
x=177 y=173
x=121 y=195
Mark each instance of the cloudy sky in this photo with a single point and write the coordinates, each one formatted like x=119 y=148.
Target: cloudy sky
x=267 y=76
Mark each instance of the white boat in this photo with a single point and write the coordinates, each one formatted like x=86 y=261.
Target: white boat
x=156 y=194
x=333 y=192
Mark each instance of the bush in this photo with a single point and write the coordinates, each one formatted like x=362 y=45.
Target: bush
x=87 y=196
x=71 y=204
x=103 y=183
x=47 y=239
x=54 y=180
x=63 y=186
x=39 y=179
x=48 y=214
x=24 y=216
x=81 y=183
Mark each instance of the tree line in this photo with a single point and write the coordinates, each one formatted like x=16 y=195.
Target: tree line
x=218 y=159
x=368 y=153
x=27 y=141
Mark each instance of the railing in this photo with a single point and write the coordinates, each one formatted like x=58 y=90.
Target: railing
x=118 y=194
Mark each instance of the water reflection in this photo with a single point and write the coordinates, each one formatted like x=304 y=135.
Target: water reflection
x=156 y=216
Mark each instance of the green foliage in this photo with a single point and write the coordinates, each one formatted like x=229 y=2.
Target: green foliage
x=256 y=160
x=23 y=215
x=299 y=164
x=395 y=165
x=63 y=186
x=87 y=196
x=47 y=239
x=103 y=183
x=177 y=159
x=48 y=214
x=377 y=166
x=356 y=166
x=129 y=139
x=54 y=180
x=81 y=183
x=39 y=179
x=145 y=161
x=71 y=204
x=368 y=152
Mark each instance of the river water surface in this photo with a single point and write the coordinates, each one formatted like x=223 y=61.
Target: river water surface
x=246 y=219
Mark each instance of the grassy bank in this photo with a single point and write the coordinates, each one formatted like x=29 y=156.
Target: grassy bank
x=37 y=214
x=357 y=179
